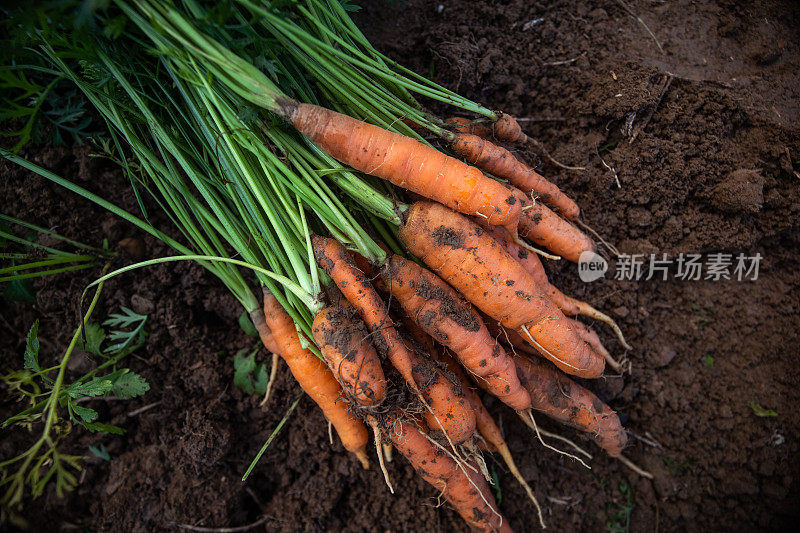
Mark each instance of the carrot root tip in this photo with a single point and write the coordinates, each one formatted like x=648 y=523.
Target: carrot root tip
x=380 y=451
x=523 y=244
x=529 y=414
x=361 y=455
x=505 y=453
x=630 y=464
x=272 y=374
x=388 y=452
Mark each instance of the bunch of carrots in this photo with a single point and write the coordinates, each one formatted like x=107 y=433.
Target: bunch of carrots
x=398 y=257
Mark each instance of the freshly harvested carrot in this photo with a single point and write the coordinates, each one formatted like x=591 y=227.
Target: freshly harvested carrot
x=567 y=304
x=589 y=335
x=479 y=267
x=449 y=410
x=345 y=344
x=497 y=160
x=482 y=129
x=316 y=379
x=443 y=314
x=542 y=226
x=407 y=163
x=516 y=342
x=505 y=129
x=488 y=427
x=484 y=421
x=462 y=485
x=560 y=398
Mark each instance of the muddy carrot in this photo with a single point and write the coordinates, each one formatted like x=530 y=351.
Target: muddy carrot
x=479 y=267
x=517 y=343
x=407 y=163
x=449 y=410
x=316 y=379
x=345 y=344
x=560 y=398
x=442 y=313
x=487 y=427
x=498 y=161
x=567 y=304
x=462 y=486
x=542 y=226
x=506 y=128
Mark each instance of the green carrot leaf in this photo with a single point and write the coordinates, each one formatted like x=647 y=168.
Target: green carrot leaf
x=85 y=413
x=99 y=427
x=32 y=348
x=129 y=385
x=243 y=366
x=100 y=452
x=260 y=379
x=94 y=387
x=95 y=335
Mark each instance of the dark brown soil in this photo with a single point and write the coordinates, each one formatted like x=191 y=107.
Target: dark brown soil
x=713 y=167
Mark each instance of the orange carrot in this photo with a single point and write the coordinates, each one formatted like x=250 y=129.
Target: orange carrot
x=506 y=128
x=462 y=485
x=473 y=262
x=407 y=163
x=482 y=129
x=515 y=340
x=345 y=344
x=484 y=421
x=560 y=398
x=488 y=427
x=316 y=379
x=502 y=163
x=443 y=314
x=545 y=228
x=567 y=304
x=449 y=410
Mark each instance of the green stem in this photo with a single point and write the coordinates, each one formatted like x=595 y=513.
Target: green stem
x=45 y=272
x=54 y=261
x=53 y=234
x=308 y=300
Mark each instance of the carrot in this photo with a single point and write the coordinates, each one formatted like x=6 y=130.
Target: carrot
x=486 y=425
x=407 y=163
x=473 y=262
x=506 y=128
x=462 y=486
x=560 y=398
x=542 y=226
x=345 y=345
x=470 y=127
x=316 y=379
x=442 y=313
x=483 y=419
x=502 y=163
x=587 y=334
x=516 y=342
x=567 y=304
x=450 y=412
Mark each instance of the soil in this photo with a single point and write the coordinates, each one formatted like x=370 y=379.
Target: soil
x=693 y=150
